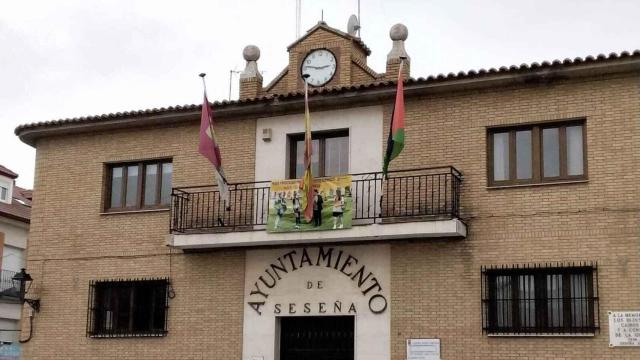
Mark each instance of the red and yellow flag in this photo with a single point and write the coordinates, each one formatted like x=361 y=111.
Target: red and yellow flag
x=307 y=181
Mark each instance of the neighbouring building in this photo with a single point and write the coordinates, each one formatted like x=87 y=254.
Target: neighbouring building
x=507 y=227
x=15 y=209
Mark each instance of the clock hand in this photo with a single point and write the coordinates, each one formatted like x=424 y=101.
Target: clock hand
x=317 y=67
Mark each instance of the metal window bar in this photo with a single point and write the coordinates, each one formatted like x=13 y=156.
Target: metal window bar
x=550 y=298
x=128 y=308
x=6 y=283
x=406 y=195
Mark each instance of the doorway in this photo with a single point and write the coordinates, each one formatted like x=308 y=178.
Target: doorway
x=317 y=338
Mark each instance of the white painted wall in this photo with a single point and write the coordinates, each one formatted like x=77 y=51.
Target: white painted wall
x=15 y=232
x=365 y=155
x=372 y=331
x=7 y=336
x=13 y=258
x=10 y=311
x=365 y=139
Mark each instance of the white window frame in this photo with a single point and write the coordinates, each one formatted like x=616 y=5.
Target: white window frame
x=9 y=186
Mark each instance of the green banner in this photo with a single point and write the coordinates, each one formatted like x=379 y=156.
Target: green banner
x=332 y=205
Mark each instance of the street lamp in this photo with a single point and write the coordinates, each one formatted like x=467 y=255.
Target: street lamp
x=22 y=281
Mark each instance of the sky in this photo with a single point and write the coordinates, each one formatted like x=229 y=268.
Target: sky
x=69 y=58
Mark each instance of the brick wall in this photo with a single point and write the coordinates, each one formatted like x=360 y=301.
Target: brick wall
x=72 y=243
x=359 y=75
x=205 y=317
x=436 y=284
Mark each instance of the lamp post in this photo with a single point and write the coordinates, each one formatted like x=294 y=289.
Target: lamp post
x=22 y=281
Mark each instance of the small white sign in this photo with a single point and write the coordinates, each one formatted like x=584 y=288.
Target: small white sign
x=624 y=328
x=423 y=349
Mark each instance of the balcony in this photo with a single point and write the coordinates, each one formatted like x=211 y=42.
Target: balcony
x=417 y=203
x=7 y=288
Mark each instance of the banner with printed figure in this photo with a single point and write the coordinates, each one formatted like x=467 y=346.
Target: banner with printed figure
x=332 y=205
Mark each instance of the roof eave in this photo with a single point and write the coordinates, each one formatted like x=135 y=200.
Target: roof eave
x=15 y=217
x=341 y=97
x=9 y=174
x=322 y=25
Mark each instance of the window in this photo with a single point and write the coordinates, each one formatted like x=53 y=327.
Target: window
x=330 y=154
x=120 y=308
x=140 y=185
x=4 y=193
x=539 y=300
x=537 y=153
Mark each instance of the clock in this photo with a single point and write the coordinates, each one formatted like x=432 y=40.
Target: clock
x=320 y=64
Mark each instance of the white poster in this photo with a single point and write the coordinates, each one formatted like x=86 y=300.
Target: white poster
x=624 y=328
x=423 y=349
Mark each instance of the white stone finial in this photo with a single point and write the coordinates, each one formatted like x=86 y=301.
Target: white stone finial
x=251 y=54
x=398 y=34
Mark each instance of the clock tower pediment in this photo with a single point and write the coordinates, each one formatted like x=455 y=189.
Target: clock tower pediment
x=331 y=58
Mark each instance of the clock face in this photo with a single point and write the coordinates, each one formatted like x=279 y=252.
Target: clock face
x=320 y=65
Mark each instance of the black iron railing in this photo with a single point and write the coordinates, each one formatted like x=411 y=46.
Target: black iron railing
x=7 y=287
x=406 y=195
x=128 y=308
x=557 y=298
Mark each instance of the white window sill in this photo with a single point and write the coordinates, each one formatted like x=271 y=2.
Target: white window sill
x=543 y=335
x=567 y=182
x=134 y=211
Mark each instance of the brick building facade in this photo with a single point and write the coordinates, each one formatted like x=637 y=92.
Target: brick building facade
x=512 y=263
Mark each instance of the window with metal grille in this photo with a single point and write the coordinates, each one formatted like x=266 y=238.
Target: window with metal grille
x=127 y=308
x=540 y=299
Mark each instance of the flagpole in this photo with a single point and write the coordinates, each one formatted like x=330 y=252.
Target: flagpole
x=204 y=85
x=306 y=91
x=307 y=179
x=217 y=170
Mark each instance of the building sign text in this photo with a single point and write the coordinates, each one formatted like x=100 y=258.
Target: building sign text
x=326 y=257
x=624 y=328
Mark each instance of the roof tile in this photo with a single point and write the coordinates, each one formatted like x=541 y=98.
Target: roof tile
x=338 y=89
x=20 y=207
x=7 y=172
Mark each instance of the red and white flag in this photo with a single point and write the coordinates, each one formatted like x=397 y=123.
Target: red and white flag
x=208 y=147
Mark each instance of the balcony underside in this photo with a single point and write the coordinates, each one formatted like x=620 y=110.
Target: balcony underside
x=447 y=228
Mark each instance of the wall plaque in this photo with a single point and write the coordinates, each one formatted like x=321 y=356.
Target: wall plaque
x=624 y=328
x=423 y=349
